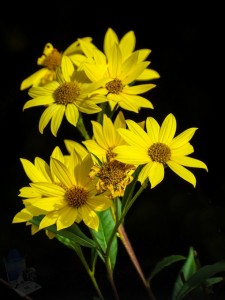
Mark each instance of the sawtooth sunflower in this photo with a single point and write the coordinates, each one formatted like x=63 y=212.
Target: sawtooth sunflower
x=68 y=95
x=62 y=192
x=158 y=148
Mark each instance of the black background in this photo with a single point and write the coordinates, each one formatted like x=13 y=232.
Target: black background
x=186 y=43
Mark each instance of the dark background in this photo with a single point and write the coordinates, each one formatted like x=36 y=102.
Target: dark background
x=186 y=43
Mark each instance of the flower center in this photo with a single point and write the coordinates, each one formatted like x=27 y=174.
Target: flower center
x=53 y=60
x=76 y=196
x=112 y=173
x=159 y=152
x=115 y=86
x=66 y=93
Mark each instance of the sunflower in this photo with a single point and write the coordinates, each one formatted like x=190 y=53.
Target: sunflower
x=67 y=95
x=157 y=148
x=51 y=59
x=112 y=175
x=119 y=76
x=62 y=192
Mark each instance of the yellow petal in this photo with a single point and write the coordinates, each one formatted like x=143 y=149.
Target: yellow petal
x=34 y=79
x=22 y=216
x=32 y=172
x=138 y=89
x=50 y=203
x=28 y=192
x=182 y=172
x=131 y=155
x=109 y=40
x=153 y=129
x=127 y=44
x=48 y=189
x=135 y=71
x=90 y=218
x=189 y=162
x=46 y=117
x=183 y=138
x=72 y=114
x=57 y=118
x=66 y=218
x=168 y=129
x=43 y=167
x=109 y=131
x=186 y=149
x=81 y=173
x=49 y=219
x=135 y=136
x=100 y=202
x=143 y=175
x=156 y=174
x=94 y=148
x=114 y=61
x=98 y=134
x=67 y=68
x=39 y=101
x=148 y=74
x=61 y=172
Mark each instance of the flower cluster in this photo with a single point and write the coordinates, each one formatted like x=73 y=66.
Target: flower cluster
x=102 y=175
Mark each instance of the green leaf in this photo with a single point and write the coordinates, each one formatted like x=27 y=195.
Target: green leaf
x=70 y=244
x=200 y=278
x=213 y=280
x=36 y=220
x=102 y=236
x=71 y=234
x=94 y=257
x=74 y=234
x=188 y=269
x=165 y=262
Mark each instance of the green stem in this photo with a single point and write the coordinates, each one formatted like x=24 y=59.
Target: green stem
x=120 y=220
x=81 y=127
x=90 y=273
x=111 y=113
x=108 y=268
x=77 y=248
x=111 y=278
x=101 y=113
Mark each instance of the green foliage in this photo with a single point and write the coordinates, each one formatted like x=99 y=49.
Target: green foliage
x=104 y=236
x=68 y=236
x=195 y=279
x=165 y=262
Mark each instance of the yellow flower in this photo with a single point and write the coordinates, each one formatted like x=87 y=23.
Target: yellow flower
x=157 y=148
x=127 y=46
x=51 y=59
x=67 y=95
x=62 y=191
x=112 y=175
x=119 y=75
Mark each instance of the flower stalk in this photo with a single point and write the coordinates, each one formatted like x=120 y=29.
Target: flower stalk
x=126 y=242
